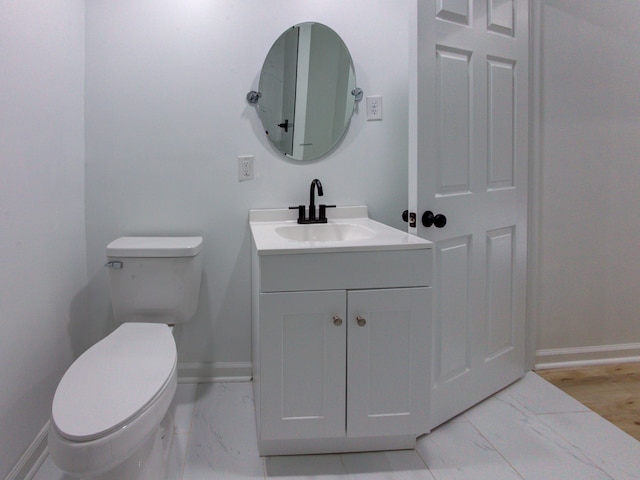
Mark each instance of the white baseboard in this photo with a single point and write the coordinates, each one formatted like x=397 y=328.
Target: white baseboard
x=583 y=356
x=33 y=457
x=214 y=372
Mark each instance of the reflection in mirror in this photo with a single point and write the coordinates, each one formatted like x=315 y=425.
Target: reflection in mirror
x=306 y=86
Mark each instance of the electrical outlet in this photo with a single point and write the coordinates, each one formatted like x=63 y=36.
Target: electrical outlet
x=245 y=167
x=374 y=107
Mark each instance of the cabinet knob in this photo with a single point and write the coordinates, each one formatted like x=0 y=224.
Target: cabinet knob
x=361 y=321
x=337 y=321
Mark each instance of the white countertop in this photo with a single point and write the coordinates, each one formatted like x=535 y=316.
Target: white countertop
x=264 y=222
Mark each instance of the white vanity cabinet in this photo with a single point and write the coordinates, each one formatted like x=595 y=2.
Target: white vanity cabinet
x=341 y=351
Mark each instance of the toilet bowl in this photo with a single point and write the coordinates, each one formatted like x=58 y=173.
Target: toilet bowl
x=109 y=405
x=109 y=417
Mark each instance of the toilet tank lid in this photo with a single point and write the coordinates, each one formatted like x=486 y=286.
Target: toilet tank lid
x=155 y=247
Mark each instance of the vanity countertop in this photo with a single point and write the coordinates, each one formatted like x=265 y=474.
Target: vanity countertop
x=348 y=229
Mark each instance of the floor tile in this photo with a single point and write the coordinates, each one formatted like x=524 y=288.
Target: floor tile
x=177 y=456
x=610 y=448
x=457 y=451
x=175 y=463
x=540 y=396
x=529 y=430
x=49 y=471
x=223 y=441
x=182 y=406
x=302 y=467
x=395 y=465
x=531 y=447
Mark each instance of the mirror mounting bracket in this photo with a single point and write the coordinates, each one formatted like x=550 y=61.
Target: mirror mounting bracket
x=358 y=93
x=253 y=97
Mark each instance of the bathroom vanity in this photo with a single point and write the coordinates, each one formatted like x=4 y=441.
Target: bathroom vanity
x=341 y=333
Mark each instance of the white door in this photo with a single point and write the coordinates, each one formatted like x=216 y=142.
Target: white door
x=303 y=347
x=387 y=331
x=469 y=139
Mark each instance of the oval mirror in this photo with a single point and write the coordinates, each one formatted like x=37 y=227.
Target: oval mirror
x=306 y=86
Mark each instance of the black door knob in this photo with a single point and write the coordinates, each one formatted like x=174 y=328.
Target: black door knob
x=428 y=219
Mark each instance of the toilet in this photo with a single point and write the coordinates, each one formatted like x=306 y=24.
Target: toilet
x=109 y=417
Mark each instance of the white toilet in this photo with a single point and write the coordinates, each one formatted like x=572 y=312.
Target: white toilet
x=110 y=417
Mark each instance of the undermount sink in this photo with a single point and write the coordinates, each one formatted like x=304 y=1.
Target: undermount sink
x=324 y=232
x=276 y=232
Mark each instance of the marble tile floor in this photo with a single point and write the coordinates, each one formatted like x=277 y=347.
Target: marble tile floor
x=530 y=430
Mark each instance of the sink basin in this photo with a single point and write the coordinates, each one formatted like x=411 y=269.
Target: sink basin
x=324 y=232
x=349 y=229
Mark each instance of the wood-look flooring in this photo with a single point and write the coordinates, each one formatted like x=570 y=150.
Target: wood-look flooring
x=612 y=391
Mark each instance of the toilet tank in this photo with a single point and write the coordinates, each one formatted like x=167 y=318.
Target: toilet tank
x=155 y=279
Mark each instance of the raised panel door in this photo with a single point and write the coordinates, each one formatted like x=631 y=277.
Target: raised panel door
x=469 y=140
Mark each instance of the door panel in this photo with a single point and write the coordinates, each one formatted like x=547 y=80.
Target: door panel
x=471 y=154
x=454 y=108
x=500 y=16
x=501 y=134
x=457 y=11
x=499 y=300
x=451 y=312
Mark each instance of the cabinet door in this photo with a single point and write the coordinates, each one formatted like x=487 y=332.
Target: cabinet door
x=302 y=365
x=388 y=361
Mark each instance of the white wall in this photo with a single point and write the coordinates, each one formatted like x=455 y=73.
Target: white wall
x=166 y=117
x=42 y=231
x=589 y=262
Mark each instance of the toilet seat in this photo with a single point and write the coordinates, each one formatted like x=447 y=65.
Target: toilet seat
x=114 y=381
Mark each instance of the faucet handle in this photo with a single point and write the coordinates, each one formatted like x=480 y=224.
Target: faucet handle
x=301 y=216
x=323 y=212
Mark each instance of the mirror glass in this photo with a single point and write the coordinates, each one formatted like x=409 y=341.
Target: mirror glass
x=305 y=85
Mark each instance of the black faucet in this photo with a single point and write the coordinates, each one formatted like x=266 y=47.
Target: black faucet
x=322 y=216
x=312 y=199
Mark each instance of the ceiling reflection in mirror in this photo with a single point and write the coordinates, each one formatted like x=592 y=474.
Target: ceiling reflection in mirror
x=307 y=91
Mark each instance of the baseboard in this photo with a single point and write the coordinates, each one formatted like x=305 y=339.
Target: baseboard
x=214 y=372
x=33 y=457
x=583 y=356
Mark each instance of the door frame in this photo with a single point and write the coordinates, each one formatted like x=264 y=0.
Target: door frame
x=535 y=179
